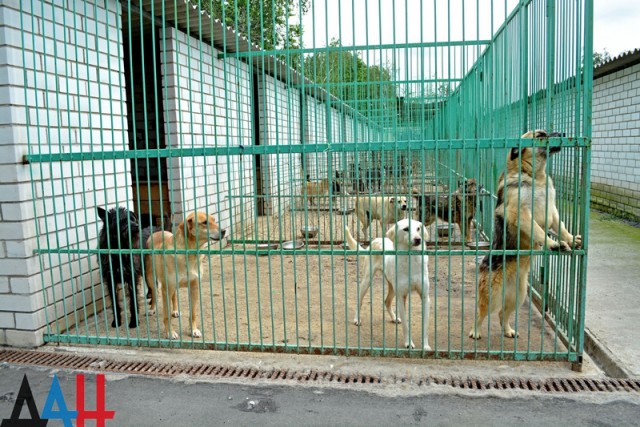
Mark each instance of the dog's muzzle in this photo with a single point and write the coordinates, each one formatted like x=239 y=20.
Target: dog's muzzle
x=417 y=241
x=554 y=150
x=218 y=235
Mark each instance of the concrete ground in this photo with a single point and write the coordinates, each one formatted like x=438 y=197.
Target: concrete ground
x=613 y=295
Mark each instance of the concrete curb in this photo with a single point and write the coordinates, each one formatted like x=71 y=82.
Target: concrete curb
x=603 y=357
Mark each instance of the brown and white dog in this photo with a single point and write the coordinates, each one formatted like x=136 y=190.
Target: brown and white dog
x=172 y=270
x=403 y=273
x=462 y=207
x=387 y=210
x=526 y=206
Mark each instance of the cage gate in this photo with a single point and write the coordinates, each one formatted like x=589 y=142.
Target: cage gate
x=287 y=122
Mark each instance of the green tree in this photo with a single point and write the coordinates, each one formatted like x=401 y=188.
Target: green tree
x=266 y=23
x=600 y=58
x=369 y=89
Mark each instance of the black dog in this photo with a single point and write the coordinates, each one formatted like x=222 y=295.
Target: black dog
x=461 y=204
x=336 y=187
x=121 y=231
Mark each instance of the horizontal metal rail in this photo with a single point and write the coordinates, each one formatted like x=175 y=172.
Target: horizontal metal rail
x=336 y=147
x=374 y=47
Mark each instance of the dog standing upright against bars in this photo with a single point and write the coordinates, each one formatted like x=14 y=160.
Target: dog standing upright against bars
x=463 y=207
x=179 y=270
x=526 y=199
x=403 y=273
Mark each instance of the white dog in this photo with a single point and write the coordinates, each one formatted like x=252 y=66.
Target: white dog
x=387 y=210
x=403 y=273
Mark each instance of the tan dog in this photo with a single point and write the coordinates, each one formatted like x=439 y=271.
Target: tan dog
x=526 y=199
x=403 y=273
x=463 y=207
x=315 y=188
x=179 y=270
x=387 y=210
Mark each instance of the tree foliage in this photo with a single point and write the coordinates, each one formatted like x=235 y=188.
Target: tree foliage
x=369 y=89
x=265 y=23
x=600 y=58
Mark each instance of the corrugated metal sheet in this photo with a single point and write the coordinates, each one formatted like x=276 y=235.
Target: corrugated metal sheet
x=620 y=62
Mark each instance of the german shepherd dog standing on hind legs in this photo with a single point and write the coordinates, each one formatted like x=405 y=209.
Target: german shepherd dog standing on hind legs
x=526 y=203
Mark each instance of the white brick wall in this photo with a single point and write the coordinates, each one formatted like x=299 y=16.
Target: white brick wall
x=316 y=133
x=62 y=89
x=280 y=125
x=615 y=159
x=208 y=103
x=55 y=97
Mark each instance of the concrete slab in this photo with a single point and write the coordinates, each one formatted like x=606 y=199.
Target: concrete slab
x=613 y=291
x=388 y=367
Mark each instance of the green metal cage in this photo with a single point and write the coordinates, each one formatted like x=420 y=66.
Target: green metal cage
x=277 y=118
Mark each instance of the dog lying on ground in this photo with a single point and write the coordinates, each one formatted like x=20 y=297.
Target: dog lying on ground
x=179 y=270
x=466 y=195
x=406 y=234
x=526 y=199
x=313 y=189
x=387 y=210
x=122 y=272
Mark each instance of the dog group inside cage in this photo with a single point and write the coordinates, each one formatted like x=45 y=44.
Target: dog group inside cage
x=425 y=240
x=401 y=188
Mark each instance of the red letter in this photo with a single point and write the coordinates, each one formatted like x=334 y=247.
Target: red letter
x=100 y=414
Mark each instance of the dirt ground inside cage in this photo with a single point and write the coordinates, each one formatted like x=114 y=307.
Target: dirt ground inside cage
x=304 y=299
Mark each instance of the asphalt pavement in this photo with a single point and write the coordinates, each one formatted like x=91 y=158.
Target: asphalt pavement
x=144 y=401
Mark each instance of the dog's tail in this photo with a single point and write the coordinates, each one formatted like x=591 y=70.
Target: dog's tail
x=351 y=242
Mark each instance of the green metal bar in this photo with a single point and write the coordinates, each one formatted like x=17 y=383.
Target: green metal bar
x=290 y=149
x=265 y=53
x=374 y=352
x=587 y=79
x=447 y=110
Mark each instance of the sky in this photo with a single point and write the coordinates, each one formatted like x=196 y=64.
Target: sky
x=616 y=22
x=616 y=26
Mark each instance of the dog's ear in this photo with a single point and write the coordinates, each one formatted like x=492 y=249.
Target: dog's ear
x=190 y=223
x=392 y=200
x=391 y=233
x=515 y=152
x=102 y=214
x=425 y=234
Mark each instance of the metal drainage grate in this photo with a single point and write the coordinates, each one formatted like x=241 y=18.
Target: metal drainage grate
x=90 y=363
